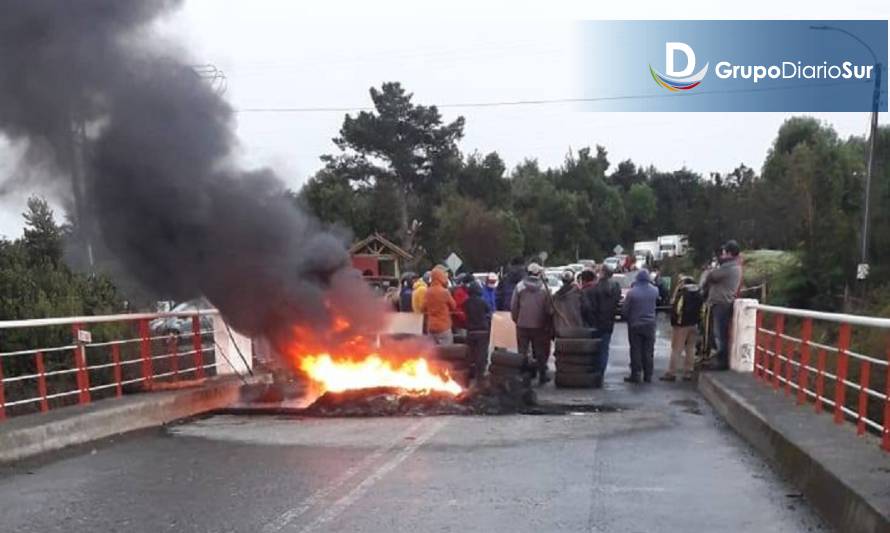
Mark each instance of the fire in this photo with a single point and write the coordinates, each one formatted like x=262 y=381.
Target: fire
x=411 y=375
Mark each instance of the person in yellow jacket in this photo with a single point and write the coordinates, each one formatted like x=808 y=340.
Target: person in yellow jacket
x=419 y=295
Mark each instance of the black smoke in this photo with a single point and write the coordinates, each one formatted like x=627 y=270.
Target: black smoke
x=158 y=181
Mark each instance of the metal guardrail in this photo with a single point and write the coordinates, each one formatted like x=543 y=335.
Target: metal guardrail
x=824 y=374
x=80 y=370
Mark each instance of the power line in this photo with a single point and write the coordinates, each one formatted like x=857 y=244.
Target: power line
x=537 y=102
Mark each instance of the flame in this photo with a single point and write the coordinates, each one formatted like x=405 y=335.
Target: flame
x=411 y=375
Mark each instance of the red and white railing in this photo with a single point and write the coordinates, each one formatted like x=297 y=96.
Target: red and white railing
x=125 y=354
x=830 y=374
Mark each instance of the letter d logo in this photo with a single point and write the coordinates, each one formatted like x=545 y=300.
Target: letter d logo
x=669 y=50
x=678 y=80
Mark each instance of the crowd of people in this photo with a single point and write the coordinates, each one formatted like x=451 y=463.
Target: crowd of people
x=700 y=313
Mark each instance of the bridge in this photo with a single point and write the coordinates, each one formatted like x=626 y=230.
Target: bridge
x=122 y=426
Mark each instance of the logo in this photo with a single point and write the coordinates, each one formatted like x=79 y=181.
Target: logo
x=678 y=80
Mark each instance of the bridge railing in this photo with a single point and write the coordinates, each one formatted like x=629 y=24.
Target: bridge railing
x=836 y=363
x=82 y=359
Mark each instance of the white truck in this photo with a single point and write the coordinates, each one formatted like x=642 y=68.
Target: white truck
x=673 y=245
x=648 y=250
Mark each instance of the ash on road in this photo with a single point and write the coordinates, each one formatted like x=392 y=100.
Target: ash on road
x=663 y=462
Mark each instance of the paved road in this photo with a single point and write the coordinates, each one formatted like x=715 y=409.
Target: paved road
x=663 y=463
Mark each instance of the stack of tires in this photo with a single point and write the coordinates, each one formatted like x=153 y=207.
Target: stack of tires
x=508 y=371
x=454 y=358
x=576 y=360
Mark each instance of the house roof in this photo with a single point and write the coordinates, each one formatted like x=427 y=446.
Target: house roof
x=377 y=244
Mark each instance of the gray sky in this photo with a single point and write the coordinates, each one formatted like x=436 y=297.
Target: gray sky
x=287 y=54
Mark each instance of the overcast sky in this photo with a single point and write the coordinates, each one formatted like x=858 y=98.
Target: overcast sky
x=288 y=54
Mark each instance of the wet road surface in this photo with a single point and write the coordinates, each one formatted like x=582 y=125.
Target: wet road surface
x=663 y=462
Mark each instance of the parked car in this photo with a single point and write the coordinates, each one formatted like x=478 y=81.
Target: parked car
x=614 y=263
x=175 y=325
x=624 y=281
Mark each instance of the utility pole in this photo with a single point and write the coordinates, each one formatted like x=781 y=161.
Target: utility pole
x=862 y=270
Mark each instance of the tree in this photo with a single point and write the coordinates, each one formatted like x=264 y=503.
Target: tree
x=483 y=178
x=402 y=146
x=640 y=207
x=485 y=238
x=43 y=237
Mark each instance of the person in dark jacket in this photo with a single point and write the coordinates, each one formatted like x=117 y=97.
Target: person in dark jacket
x=532 y=311
x=406 y=294
x=509 y=280
x=639 y=308
x=567 y=305
x=685 y=316
x=600 y=306
x=478 y=321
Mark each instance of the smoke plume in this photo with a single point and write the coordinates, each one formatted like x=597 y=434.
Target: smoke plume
x=157 y=180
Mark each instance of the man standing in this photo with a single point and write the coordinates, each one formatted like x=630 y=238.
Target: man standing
x=478 y=323
x=532 y=311
x=722 y=285
x=437 y=306
x=567 y=305
x=639 y=308
x=601 y=305
x=685 y=316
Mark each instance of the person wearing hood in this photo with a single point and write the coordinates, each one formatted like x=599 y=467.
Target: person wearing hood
x=405 y=295
x=532 y=311
x=419 y=293
x=489 y=292
x=567 y=305
x=437 y=308
x=685 y=315
x=509 y=280
x=639 y=308
x=478 y=321
x=460 y=294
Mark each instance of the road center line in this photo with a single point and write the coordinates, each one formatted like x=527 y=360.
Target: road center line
x=316 y=497
x=337 y=508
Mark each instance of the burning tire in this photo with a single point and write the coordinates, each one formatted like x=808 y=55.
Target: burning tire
x=451 y=352
x=507 y=359
x=576 y=333
x=565 y=380
x=576 y=346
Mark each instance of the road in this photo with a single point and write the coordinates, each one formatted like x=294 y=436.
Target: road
x=663 y=462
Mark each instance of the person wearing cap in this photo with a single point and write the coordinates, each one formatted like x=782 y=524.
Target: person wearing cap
x=532 y=310
x=722 y=285
x=639 y=308
x=600 y=306
x=567 y=305
x=686 y=308
x=489 y=292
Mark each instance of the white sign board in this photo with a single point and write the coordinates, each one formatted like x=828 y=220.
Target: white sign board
x=84 y=336
x=453 y=262
x=618 y=249
x=862 y=271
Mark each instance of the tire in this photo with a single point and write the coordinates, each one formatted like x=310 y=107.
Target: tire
x=451 y=352
x=577 y=346
x=565 y=380
x=578 y=360
x=462 y=377
x=497 y=370
x=576 y=333
x=507 y=359
x=575 y=369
